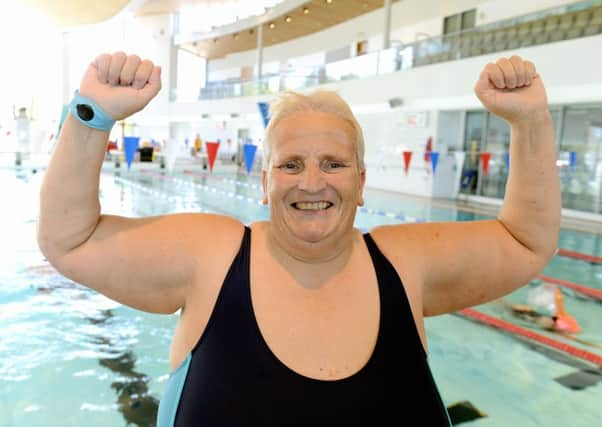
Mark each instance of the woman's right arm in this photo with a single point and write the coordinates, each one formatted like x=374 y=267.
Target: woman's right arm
x=147 y=263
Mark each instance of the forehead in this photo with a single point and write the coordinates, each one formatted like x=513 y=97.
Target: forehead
x=313 y=126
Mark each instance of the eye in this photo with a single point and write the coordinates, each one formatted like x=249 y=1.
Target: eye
x=333 y=165
x=290 y=166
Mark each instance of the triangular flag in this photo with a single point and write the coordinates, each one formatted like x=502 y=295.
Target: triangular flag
x=507 y=160
x=407 y=157
x=171 y=153
x=434 y=160
x=429 y=148
x=211 y=153
x=485 y=162
x=249 y=153
x=130 y=145
x=264 y=109
x=572 y=159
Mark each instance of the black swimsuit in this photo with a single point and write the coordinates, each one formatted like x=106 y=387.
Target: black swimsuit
x=231 y=377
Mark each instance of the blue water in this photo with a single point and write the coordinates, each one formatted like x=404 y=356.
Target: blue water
x=68 y=353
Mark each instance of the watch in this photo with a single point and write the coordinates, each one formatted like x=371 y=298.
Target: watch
x=89 y=113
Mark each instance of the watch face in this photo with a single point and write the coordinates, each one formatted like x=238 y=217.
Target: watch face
x=85 y=112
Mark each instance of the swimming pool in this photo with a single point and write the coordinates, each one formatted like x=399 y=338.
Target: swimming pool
x=71 y=357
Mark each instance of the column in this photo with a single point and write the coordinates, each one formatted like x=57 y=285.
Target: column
x=259 y=50
x=387 y=26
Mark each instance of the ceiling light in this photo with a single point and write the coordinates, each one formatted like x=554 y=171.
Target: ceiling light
x=305 y=10
x=272 y=25
x=328 y=1
x=235 y=36
x=288 y=19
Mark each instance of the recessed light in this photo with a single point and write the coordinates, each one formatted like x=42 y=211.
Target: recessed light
x=288 y=19
x=305 y=10
x=272 y=25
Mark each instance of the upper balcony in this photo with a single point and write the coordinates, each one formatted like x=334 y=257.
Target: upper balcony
x=581 y=19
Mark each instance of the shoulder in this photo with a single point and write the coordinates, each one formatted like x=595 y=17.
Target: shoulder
x=404 y=246
x=212 y=236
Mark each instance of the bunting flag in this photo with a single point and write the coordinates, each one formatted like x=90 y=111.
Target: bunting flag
x=460 y=156
x=485 y=162
x=249 y=153
x=211 y=153
x=572 y=159
x=434 y=160
x=407 y=157
x=170 y=153
x=429 y=148
x=130 y=145
x=507 y=160
x=264 y=109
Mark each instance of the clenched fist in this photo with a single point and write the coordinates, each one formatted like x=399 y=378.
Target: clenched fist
x=511 y=89
x=121 y=84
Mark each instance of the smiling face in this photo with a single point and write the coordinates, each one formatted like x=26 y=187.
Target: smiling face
x=313 y=182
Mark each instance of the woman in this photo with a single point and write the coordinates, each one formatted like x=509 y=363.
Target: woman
x=302 y=319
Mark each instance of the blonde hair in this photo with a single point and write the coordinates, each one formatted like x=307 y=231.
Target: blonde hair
x=319 y=101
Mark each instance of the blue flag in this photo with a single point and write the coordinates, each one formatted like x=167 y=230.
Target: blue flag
x=507 y=158
x=434 y=160
x=572 y=159
x=249 y=152
x=130 y=145
x=264 y=109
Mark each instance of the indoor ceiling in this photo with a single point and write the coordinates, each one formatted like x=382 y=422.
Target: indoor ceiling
x=319 y=16
x=313 y=16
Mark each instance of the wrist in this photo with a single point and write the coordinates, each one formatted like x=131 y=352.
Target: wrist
x=534 y=118
x=86 y=111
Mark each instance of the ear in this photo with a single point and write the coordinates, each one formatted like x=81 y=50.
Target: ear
x=360 y=200
x=264 y=185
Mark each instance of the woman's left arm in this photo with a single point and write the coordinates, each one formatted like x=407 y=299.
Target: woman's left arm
x=460 y=264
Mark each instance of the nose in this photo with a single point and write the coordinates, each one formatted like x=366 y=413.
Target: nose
x=312 y=179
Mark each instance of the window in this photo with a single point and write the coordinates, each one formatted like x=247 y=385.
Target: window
x=460 y=21
x=452 y=24
x=469 y=19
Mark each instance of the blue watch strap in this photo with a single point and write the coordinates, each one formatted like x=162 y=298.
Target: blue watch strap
x=89 y=113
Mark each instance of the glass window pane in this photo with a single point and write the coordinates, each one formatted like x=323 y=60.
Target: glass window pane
x=473 y=136
x=580 y=158
x=469 y=19
x=452 y=24
x=497 y=144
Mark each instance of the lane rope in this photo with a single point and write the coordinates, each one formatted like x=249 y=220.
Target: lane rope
x=534 y=336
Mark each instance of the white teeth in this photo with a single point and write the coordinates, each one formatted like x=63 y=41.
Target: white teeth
x=312 y=206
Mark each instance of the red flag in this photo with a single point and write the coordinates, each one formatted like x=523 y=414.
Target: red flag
x=429 y=148
x=485 y=162
x=211 y=153
x=407 y=156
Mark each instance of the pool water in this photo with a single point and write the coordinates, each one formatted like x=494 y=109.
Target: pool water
x=71 y=357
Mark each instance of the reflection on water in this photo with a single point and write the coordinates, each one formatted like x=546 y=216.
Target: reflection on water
x=135 y=403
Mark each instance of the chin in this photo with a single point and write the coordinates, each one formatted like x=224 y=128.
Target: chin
x=311 y=234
